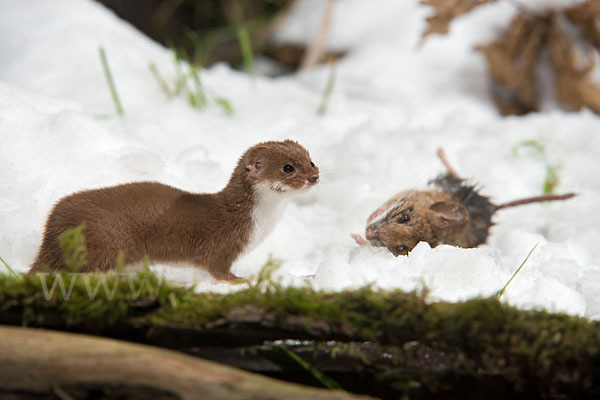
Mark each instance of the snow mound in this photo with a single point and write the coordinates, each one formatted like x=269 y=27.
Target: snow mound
x=393 y=105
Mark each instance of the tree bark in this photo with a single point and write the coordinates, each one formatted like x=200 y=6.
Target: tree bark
x=36 y=362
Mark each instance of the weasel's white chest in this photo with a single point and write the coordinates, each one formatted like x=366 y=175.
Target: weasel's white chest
x=267 y=212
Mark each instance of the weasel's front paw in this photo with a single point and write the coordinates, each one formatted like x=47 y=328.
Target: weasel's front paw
x=233 y=279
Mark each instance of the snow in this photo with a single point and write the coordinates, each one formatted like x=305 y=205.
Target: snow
x=396 y=100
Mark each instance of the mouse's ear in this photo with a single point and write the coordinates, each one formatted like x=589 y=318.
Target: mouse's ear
x=450 y=212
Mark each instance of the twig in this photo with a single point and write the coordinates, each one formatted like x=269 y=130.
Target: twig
x=165 y=10
x=60 y=393
x=315 y=50
x=278 y=21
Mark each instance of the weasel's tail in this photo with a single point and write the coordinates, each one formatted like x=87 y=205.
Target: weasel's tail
x=537 y=199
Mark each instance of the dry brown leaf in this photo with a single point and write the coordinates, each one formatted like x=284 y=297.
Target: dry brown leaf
x=586 y=16
x=571 y=70
x=446 y=11
x=512 y=60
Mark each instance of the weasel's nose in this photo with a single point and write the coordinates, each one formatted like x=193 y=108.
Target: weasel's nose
x=313 y=179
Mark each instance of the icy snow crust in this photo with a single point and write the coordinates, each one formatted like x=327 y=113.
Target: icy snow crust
x=394 y=103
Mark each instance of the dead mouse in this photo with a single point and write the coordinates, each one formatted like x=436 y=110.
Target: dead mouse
x=453 y=213
x=167 y=224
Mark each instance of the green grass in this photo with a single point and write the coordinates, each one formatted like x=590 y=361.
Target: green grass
x=72 y=244
x=483 y=334
x=160 y=80
x=551 y=180
x=196 y=97
x=187 y=82
x=246 y=48
x=110 y=81
x=328 y=89
x=225 y=105
x=8 y=267
x=318 y=375
x=501 y=291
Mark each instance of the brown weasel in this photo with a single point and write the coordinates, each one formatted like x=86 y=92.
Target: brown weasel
x=167 y=224
x=452 y=213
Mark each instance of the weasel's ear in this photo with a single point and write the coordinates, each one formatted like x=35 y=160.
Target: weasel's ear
x=253 y=166
x=254 y=161
x=450 y=212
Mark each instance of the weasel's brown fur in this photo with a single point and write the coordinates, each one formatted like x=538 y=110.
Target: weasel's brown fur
x=167 y=224
x=452 y=213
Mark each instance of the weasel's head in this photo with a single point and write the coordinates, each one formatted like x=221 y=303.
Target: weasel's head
x=284 y=167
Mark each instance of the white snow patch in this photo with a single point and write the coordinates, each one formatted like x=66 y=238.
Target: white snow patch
x=393 y=105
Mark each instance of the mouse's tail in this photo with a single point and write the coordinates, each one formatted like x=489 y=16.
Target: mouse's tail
x=536 y=199
x=442 y=156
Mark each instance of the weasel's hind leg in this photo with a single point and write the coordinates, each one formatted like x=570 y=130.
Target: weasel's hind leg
x=47 y=259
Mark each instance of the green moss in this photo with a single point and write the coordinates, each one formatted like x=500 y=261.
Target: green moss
x=72 y=244
x=482 y=333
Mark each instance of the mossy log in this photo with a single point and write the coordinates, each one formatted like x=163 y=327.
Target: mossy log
x=381 y=343
x=35 y=362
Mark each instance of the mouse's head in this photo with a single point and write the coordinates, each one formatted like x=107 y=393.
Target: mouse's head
x=415 y=217
x=283 y=167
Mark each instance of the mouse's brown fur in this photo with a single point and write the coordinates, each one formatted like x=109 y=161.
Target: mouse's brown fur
x=452 y=213
x=171 y=225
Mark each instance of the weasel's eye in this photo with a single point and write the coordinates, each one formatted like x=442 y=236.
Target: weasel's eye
x=312 y=164
x=288 y=169
x=402 y=249
x=403 y=219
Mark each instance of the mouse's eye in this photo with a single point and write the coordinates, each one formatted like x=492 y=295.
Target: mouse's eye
x=402 y=249
x=403 y=219
x=288 y=169
x=312 y=164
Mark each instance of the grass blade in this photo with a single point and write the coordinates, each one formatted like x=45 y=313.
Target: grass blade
x=111 y=83
x=529 y=143
x=328 y=89
x=501 y=292
x=199 y=95
x=159 y=79
x=225 y=105
x=180 y=78
x=551 y=180
x=8 y=267
x=324 y=379
x=246 y=48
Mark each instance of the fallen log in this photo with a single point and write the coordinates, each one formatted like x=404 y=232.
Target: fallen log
x=36 y=362
x=386 y=344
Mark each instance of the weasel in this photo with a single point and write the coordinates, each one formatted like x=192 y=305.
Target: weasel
x=453 y=212
x=167 y=224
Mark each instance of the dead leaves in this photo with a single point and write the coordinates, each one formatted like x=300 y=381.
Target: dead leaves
x=571 y=69
x=512 y=61
x=446 y=11
x=566 y=39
